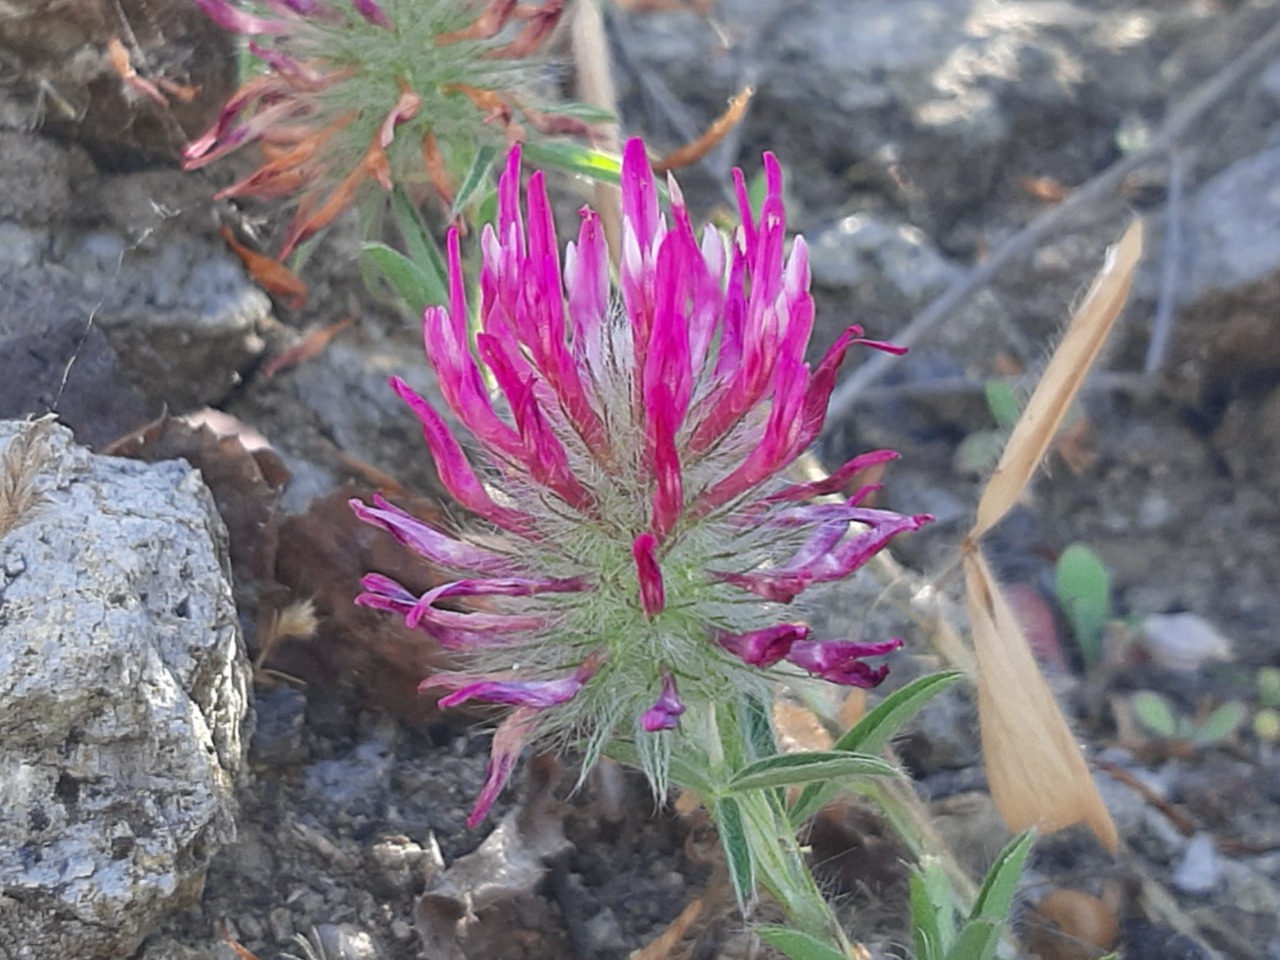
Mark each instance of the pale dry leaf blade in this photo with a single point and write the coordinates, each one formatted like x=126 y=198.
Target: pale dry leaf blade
x=1036 y=773
x=1060 y=382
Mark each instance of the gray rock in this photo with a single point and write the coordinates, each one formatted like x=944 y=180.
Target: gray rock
x=183 y=317
x=53 y=359
x=931 y=102
x=132 y=257
x=862 y=249
x=123 y=697
x=1231 y=286
x=1200 y=870
x=37 y=178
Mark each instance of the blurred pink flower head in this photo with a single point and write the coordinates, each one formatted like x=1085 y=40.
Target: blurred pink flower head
x=358 y=96
x=637 y=543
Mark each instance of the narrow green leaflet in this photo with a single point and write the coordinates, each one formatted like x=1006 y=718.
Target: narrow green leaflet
x=575 y=158
x=933 y=910
x=737 y=850
x=681 y=771
x=798 y=945
x=419 y=242
x=996 y=896
x=790 y=769
x=477 y=177
x=418 y=287
x=925 y=926
x=586 y=112
x=757 y=728
x=875 y=730
x=978 y=941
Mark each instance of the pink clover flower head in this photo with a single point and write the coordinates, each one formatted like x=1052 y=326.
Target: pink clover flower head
x=635 y=545
x=356 y=97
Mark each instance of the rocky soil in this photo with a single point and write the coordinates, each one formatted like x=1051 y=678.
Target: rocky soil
x=920 y=138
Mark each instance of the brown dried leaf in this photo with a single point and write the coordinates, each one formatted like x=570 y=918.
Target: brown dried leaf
x=1072 y=925
x=1037 y=775
x=367 y=654
x=268 y=273
x=693 y=152
x=307 y=348
x=1061 y=381
x=1045 y=189
x=508 y=865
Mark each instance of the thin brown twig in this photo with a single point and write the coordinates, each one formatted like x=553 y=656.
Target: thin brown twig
x=1178 y=123
x=1181 y=822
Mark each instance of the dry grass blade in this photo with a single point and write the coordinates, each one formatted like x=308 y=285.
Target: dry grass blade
x=595 y=86
x=23 y=459
x=693 y=152
x=1061 y=382
x=1034 y=768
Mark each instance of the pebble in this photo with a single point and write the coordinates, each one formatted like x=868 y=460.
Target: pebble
x=1200 y=871
x=280 y=920
x=1184 y=641
x=603 y=933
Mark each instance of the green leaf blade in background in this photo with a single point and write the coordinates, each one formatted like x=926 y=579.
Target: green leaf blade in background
x=792 y=769
x=477 y=177
x=797 y=945
x=418 y=288
x=737 y=848
x=873 y=732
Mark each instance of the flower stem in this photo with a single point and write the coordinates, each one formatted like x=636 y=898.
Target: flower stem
x=756 y=833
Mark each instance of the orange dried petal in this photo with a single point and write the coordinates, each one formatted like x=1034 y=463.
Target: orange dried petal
x=271 y=275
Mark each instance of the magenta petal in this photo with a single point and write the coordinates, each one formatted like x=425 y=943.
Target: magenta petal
x=508 y=740
x=370 y=10
x=664 y=462
x=432 y=618
x=665 y=712
x=840 y=661
x=639 y=193
x=516 y=693
x=586 y=274
x=455 y=472
x=652 y=593
x=778 y=587
x=383 y=593
x=508 y=587
x=836 y=482
x=778 y=444
x=428 y=542
x=764 y=647
x=287 y=66
x=231 y=18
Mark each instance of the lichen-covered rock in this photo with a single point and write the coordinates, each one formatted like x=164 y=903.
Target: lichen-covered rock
x=123 y=698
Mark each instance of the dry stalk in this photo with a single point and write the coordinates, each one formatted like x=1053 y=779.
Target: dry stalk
x=1037 y=775
x=595 y=86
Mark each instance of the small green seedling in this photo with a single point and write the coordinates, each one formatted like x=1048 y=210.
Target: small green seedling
x=936 y=923
x=1157 y=715
x=980 y=451
x=1083 y=585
